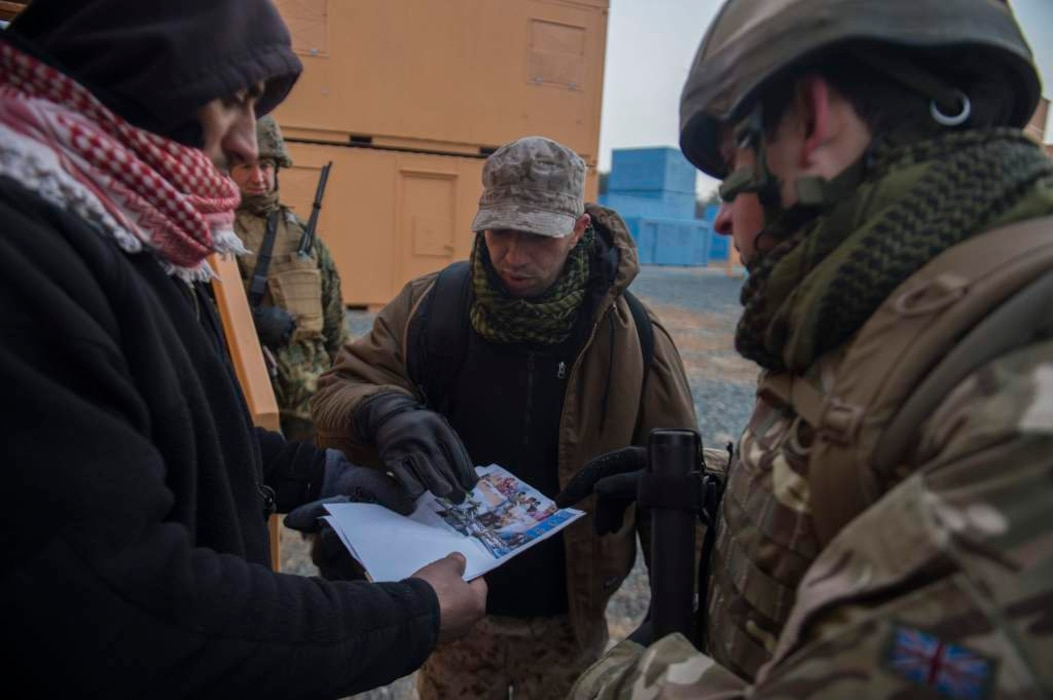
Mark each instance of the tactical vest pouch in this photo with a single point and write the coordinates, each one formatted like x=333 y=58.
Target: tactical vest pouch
x=970 y=305
x=296 y=286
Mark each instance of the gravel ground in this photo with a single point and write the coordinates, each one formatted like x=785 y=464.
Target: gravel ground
x=699 y=308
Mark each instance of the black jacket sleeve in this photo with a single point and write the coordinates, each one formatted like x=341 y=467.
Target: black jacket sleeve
x=293 y=469
x=134 y=543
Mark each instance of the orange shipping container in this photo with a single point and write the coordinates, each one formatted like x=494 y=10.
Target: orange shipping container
x=407 y=98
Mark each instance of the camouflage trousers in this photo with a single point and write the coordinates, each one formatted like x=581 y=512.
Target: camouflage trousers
x=535 y=658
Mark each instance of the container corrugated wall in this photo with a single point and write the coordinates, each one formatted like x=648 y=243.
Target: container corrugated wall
x=407 y=98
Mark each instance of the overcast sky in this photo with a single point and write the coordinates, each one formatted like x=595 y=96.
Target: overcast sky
x=650 y=44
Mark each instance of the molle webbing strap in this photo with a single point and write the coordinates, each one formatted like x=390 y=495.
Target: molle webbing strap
x=807 y=401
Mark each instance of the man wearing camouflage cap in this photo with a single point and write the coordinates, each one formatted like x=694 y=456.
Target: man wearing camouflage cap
x=528 y=355
x=300 y=313
x=885 y=530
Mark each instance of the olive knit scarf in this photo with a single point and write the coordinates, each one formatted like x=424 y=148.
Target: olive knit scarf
x=547 y=319
x=818 y=286
x=260 y=204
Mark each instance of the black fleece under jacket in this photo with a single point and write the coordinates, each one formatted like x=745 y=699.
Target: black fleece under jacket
x=135 y=548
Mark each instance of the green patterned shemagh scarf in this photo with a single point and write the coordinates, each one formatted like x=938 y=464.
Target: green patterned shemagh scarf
x=259 y=204
x=547 y=319
x=817 y=287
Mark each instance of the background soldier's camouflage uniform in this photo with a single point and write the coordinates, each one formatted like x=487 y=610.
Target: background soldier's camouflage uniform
x=308 y=288
x=320 y=321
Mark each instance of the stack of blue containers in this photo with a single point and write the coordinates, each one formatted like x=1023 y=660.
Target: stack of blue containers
x=718 y=245
x=654 y=191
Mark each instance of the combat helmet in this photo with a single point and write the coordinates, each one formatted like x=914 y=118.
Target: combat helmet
x=752 y=41
x=270 y=142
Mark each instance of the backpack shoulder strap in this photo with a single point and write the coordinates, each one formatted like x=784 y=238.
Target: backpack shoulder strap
x=643 y=327
x=438 y=335
x=972 y=304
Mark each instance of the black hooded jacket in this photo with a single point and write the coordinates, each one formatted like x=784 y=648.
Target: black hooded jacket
x=156 y=62
x=136 y=558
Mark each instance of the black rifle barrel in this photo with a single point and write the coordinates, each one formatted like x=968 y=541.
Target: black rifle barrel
x=673 y=453
x=307 y=240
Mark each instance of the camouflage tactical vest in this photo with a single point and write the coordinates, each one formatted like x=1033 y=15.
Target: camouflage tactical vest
x=295 y=283
x=821 y=448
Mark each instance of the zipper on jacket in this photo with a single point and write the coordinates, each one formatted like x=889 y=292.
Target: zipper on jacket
x=575 y=367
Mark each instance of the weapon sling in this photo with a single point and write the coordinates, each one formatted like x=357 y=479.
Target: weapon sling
x=263 y=262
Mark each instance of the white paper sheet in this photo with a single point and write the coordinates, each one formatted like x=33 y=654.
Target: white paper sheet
x=506 y=514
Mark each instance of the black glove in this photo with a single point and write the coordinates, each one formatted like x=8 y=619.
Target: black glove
x=274 y=326
x=417 y=445
x=613 y=477
x=344 y=482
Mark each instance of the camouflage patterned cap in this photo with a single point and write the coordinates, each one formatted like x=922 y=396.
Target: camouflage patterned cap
x=533 y=185
x=270 y=142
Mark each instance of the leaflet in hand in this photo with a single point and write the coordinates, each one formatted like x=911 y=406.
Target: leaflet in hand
x=502 y=517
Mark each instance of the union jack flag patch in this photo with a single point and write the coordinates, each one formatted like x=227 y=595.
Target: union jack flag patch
x=951 y=670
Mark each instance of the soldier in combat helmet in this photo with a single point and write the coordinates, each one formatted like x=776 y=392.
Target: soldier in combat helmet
x=300 y=314
x=884 y=531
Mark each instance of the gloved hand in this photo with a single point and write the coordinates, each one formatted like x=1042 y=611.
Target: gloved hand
x=344 y=482
x=274 y=326
x=417 y=445
x=613 y=477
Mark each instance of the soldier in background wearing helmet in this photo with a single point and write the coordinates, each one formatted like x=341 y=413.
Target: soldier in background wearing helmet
x=896 y=225
x=300 y=318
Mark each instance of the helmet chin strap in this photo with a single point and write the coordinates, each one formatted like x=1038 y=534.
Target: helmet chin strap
x=948 y=106
x=756 y=179
x=815 y=194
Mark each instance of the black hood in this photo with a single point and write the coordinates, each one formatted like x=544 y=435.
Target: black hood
x=155 y=62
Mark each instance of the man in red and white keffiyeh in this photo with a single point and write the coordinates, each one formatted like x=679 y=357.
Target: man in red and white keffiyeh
x=139 y=489
x=138 y=187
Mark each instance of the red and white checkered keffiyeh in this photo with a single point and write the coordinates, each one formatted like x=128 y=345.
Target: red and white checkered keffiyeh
x=57 y=139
